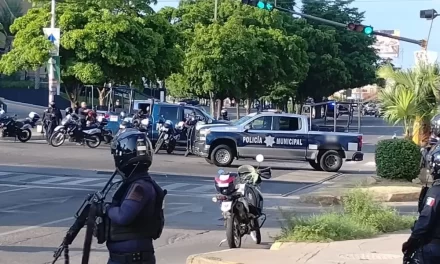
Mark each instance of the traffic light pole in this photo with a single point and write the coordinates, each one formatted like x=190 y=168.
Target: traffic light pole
x=337 y=24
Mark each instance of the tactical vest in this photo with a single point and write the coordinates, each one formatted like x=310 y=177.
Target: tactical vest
x=145 y=225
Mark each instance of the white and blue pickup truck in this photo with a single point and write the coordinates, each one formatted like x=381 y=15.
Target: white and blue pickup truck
x=278 y=136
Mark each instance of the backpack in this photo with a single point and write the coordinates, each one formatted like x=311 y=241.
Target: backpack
x=157 y=222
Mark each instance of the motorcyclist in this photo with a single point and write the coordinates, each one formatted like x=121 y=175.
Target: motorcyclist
x=224 y=114
x=424 y=241
x=51 y=118
x=135 y=214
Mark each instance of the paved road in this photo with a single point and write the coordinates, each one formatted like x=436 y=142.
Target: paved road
x=36 y=209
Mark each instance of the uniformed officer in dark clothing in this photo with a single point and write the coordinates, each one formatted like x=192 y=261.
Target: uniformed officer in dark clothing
x=425 y=237
x=51 y=118
x=134 y=203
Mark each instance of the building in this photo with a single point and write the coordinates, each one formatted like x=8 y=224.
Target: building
x=365 y=93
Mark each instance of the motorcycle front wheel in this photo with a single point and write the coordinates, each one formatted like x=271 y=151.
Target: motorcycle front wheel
x=159 y=144
x=24 y=135
x=233 y=235
x=93 y=141
x=57 y=139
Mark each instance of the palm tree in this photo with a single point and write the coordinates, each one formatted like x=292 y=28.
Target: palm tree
x=411 y=97
x=9 y=11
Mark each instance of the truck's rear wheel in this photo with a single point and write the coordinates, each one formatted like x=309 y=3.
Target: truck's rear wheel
x=331 y=161
x=222 y=156
x=315 y=165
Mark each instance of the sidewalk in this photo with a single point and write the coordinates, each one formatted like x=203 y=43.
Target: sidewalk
x=385 y=249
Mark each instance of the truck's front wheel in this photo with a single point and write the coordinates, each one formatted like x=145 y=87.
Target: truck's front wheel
x=315 y=165
x=330 y=161
x=222 y=156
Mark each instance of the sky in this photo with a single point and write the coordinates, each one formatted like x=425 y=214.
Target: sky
x=402 y=15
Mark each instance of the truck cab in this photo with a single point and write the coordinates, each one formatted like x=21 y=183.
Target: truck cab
x=278 y=136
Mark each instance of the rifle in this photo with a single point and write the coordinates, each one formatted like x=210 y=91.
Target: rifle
x=85 y=214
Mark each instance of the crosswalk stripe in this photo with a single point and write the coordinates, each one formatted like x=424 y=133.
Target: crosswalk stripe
x=23 y=177
x=174 y=186
x=5 y=173
x=51 y=180
x=203 y=188
x=81 y=181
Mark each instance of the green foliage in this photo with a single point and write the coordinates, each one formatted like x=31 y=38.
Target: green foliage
x=102 y=41
x=362 y=217
x=397 y=159
x=246 y=54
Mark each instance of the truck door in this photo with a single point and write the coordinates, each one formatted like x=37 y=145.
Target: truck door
x=256 y=139
x=290 y=140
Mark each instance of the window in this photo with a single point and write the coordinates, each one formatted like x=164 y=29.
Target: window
x=289 y=123
x=168 y=112
x=262 y=123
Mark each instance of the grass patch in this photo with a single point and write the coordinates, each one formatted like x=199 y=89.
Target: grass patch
x=361 y=217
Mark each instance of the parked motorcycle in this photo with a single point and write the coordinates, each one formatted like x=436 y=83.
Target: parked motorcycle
x=168 y=136
x=106 y=134
x=70 y=129
x=242 y=202
x=18 y=129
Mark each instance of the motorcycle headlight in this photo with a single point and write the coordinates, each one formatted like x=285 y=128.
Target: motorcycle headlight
x=121 y=126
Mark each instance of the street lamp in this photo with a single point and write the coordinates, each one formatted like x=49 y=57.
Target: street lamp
x=429 y=14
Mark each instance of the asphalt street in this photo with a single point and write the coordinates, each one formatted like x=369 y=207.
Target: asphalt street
x=41 y=188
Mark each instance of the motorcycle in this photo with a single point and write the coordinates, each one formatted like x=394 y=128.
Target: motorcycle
x=168 y=136
x=18 y=129
x=241 y=202
x=70 y=127
x=106 y=134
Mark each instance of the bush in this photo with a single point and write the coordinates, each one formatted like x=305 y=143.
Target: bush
x=16 y=84
x=397 y=159
x=361 y=217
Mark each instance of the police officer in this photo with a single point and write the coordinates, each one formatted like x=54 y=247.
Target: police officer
x=135 y=203
x=425 y=236
x=51 y=118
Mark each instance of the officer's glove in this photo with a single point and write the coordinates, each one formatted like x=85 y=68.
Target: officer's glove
x=409 y=245
x=101 y=209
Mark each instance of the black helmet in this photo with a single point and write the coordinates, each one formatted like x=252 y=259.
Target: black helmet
x=52 y=104
x=132 y=152
x=435 y=125
x=69 y=110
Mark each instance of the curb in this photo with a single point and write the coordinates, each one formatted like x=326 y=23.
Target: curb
x=336 y=200
x=277 y=245
x=200 y=259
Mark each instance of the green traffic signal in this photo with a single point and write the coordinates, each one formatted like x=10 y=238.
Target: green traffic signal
x=368 y=30
x=263 y=5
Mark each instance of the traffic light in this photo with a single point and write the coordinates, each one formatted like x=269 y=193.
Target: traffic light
x=367 y=30
x=259 y=4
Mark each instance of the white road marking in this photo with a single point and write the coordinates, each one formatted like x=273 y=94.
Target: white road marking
x=51 y=180
x=23 y=177
x=203 y=188
x=35 y=226
x=14 y=190
x=81 y=181
x=174 y=186
x=5 y=173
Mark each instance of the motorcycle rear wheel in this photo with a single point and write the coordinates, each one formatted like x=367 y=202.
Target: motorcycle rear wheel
x=93 y=141
x=24 y=135
x=57 y=139
x=233 y=235
x=257 y=231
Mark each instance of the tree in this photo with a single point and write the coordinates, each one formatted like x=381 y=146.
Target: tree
x=102 y=41
x=339 y=59
x=9 y=11
x=254 y=66
x=411 y=97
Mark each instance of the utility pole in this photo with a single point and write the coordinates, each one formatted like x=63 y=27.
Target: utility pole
x=53 y=85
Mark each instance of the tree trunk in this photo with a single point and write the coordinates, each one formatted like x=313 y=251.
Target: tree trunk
x=219 y=107
x=317 y=108
x=248 y=105
x=211 y=103
x=237 y=107
x=425 y=133
x=417 y=130
x=37 y=78
x=101 y=97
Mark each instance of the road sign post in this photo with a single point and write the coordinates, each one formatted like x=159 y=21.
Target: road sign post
x=53 y=35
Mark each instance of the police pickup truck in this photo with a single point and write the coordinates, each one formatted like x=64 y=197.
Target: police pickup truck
x=278 y=136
